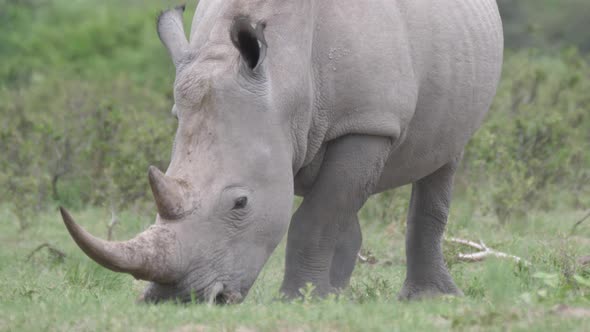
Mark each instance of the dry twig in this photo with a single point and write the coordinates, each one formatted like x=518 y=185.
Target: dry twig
x=483 y=253
x=362 y=258
x=60 y=255
x=578 y=223
x=367 y=258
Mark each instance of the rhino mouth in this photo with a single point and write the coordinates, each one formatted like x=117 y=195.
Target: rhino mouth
x=227 y=298
x=220 y=294
x=216 y=294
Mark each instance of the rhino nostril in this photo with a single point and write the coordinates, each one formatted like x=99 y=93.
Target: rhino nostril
x=221 y=299
x=167 y=194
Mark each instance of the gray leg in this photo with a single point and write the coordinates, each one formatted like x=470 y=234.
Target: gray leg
x=427 y=274
x=345 y=254
x=352 y=165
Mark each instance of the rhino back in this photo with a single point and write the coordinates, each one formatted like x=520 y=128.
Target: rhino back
x=458 y=62
x=421 y=71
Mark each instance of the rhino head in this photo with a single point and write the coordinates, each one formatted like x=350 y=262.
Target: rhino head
x=224 y=202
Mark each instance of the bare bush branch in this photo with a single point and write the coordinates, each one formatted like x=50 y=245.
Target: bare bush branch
x=60 y=255
x=578 y=223
x=366 y=257
x=483 y=253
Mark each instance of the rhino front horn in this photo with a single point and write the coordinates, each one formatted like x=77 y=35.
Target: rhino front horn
x=167 y=194
x=152 y=255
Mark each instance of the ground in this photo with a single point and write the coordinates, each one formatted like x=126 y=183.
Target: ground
x=45 y=292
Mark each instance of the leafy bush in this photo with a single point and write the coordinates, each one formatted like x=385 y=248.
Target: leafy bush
x=85 y=90
x=79 y=143
x=547 y=24
x=83 y=39
x=537 y=136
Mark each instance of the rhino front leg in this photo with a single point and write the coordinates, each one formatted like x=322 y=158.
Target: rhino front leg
x=327 y=217
x=427 y=274
x=345 y=254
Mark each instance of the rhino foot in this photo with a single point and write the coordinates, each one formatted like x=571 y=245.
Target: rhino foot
x=426 y=290
x=290 y=293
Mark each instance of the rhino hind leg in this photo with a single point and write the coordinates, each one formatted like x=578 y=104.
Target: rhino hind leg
x=427 y=274
x=321 y=245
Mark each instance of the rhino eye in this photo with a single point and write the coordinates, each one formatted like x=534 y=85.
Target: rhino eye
x=240 y=203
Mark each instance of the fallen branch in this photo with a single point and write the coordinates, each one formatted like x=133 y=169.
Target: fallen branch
x=368 y=258
x=578 y=223
x=362 y=259
x=60 y=255
x=483 y=253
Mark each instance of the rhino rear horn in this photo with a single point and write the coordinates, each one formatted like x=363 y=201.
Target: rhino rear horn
x=167 y=194
x=171 y=32
x=152 y=255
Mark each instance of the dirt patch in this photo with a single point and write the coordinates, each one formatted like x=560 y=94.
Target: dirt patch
x=571 y=312
x=192 y=328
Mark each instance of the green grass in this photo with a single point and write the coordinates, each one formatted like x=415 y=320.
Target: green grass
x=45 y=293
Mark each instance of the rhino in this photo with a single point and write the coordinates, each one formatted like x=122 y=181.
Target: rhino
x=329 y=100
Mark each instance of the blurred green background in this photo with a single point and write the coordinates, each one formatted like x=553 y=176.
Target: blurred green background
x=86 y=91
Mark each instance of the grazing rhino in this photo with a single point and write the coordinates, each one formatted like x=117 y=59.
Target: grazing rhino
x=330 y=100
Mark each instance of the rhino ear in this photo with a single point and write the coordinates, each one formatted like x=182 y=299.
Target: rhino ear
x=249 y=41
x=171 y=32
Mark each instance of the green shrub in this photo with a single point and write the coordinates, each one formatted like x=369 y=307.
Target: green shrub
x=537 y=136
x=547 y=24
x=86 y=93
x=93 y=142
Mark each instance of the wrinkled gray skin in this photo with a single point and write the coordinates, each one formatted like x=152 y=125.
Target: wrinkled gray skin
x=332 y=100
